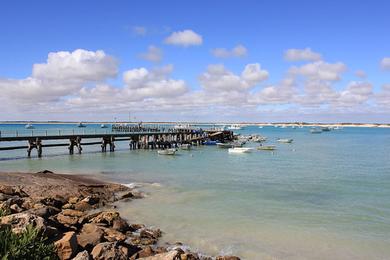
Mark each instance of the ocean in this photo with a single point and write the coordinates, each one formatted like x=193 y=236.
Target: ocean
x=324 y=196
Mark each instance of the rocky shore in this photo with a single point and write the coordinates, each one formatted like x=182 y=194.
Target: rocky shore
x=77 y=215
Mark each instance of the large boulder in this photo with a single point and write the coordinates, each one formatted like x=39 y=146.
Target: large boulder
x=20 y=221
x=171 y=255
x=56 y=201
x=90 y=236
x=106 y=217
x=113 y=235
x=120 y=225
x=82 y=206
x=83 y=255
x=44 y=211
x=13 y=191
x=109 y=250
x=67 y=246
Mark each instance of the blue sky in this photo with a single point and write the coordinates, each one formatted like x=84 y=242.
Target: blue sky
x=355 y=33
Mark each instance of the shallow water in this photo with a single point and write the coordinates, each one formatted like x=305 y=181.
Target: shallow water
x=324 y=196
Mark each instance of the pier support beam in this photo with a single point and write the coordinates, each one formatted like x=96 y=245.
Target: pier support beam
x=34 y=143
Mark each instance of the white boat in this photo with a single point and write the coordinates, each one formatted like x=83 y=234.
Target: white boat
x=266 y=147
x=224 y=145
x=235 y=127
x=185 y=146
x=259 y=138
x=316 y=130
x=240 y=150
x=103 y=126
x=261 y=126
x=182 y=126
x=29 y=126
x=81 y=125
x=170 y=151
x=285 y=140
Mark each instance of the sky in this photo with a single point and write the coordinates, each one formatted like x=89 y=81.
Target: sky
x=205 y=61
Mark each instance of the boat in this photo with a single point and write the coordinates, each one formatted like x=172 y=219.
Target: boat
x=224 y=145
x=266 y=147
x=185 y=146
x=261 y=126
x=103 y=126
x=240 y=150
x=170 y=151
x=81 y=125
x=316 y=130
x=285 y=140
x=29 y=126
x=235 y=127
x=210 y=142
x=183 y=126
x=325 y=129
x=258 y=138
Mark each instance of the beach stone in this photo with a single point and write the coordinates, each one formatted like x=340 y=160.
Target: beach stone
x=72 y=213
x=56 y=202
x=83 y=255
x=106 y=217
x=13 y=191
x=73 y=200
x=20 y=221
x=150 y=233
x=171 y=255
x=90 y=236
x=136 y=226
x=68 y=206
x=5 y=207
x=44 y=211
x=91 y=200
x=67 y=245
x=227 y=257
x=15 y=208
x=189 y=256
x=113 y=235
x=4 y=197
x=108 y=250
x=82 y=206
x=120 y=225
x=145 y=252
x=67 y=220
x=28 y=203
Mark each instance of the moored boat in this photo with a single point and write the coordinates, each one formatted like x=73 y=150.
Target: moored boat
x=170 y=151
x=29 y=126
x=103 y=126
x=235 y=127
x=266 y=147
x=185 y=146
x=81 y=125
x=285 y=140
x=240 y=150
x=316 y=130
x=224 y=145
x=210 y=142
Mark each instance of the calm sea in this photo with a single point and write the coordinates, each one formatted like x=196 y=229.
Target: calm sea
x=325 y=196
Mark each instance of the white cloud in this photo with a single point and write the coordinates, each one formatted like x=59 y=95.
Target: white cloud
x=385 y=63
x=302 y=55
x=184 y=38
x=63 y=74
x=218 y=78
x=154 y=54
x=139 y=30
x=320 y=70
x=238 y=51
x=356 y=93
x=383 y=97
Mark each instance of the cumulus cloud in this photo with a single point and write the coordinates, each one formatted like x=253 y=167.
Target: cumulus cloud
x=218 y=78
x=236 y=52
x=320 y=70
x=302 y=55
x=385 y=63
x=63 y=74
x=383 y=97
x=356 y=93
x=154 y=54
x=184 y=38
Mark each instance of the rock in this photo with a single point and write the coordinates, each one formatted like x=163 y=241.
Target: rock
x=120 y=225
x=82 y=206
x=13 y=191
x=67 y=220
x=56 y=202
x=4 y=197
x=108 y=250
x=45 y=172
x=113 y=235
x=146 y=252
x=171 y=255
x=28 y=203
x=44 y=211
x=150 y=233
x=90 y=236
x=135 y=227
x=73 y=200
x=15 y=208
x=106 y=217
x=91 y=200
x=68 y=206
x=83 y=255
x=5 y=208
x=132 y=195
x=189 y=256
x=67 y=245
x=73 y=213
x=20 y=221
x=227 y=257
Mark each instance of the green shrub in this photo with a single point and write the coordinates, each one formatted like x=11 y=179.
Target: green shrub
x=28 y=245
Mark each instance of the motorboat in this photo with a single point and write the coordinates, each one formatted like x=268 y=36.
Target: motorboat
x=285 y=140
x=258 y=138
x=240 y=150
x=224 y=145
x=81 y=125
x=103 y=126
x=266 y=147
x=316 y=130
x=185 y=146
x=29 y=126
x=235 y=127
x=325 y=129
x=170 y=151
x=210 y=142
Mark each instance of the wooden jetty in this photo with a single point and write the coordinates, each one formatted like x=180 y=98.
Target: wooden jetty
x=138 y=138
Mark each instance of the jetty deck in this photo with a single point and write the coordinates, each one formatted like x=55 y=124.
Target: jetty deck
x=138 y=138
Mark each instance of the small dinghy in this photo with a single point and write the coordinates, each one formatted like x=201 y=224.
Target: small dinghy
x=170 y=151
x=316 y=130
x=29 y=126
x=240 y=150
x=266 y=147
x=285 y=140
x=224 y=145
x=185 y=146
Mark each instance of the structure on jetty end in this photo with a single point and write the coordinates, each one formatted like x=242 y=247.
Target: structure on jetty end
x=138 y=136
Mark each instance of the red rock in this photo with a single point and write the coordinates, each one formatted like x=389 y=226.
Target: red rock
x=67 y=245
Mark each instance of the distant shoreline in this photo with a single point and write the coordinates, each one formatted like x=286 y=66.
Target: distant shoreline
x=381 y=125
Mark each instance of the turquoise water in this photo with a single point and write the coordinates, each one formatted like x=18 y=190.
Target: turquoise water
x=324 y=196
